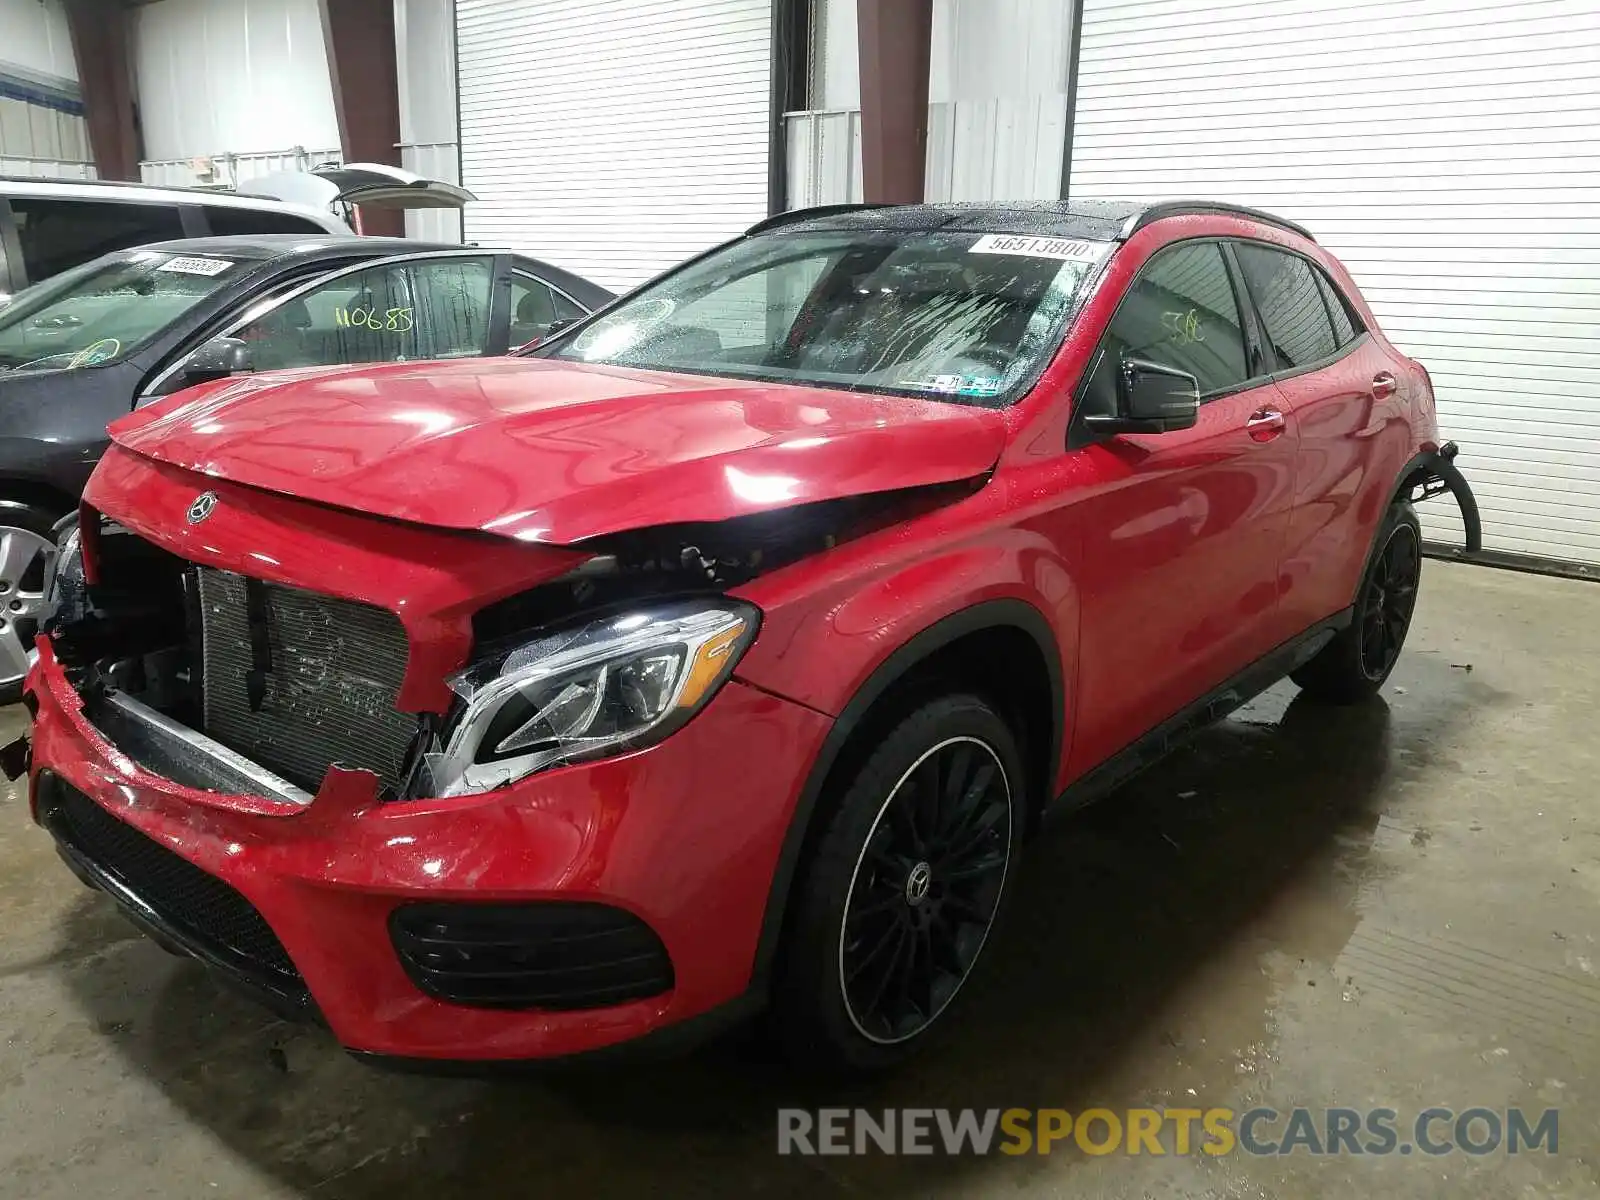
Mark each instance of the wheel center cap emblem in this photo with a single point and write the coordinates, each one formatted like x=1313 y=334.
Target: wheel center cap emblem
x=200 y=508
x=917 y=884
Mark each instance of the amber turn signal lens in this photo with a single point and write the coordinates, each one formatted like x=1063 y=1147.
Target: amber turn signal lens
x=710 y=662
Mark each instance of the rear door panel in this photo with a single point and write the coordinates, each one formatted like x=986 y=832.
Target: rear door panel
x=1340 y=417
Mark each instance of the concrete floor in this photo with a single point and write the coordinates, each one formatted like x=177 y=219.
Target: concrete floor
x=1395 y=905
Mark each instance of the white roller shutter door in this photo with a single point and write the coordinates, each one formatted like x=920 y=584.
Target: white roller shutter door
x=611 y=137
x=1448 y=151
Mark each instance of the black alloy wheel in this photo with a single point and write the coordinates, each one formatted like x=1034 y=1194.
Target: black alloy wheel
x=926 y=887
x=1389 y=600
x=1358 y=659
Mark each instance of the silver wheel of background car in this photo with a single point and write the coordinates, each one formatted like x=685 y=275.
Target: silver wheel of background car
x=24 y=573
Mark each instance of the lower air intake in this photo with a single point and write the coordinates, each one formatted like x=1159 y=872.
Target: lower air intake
x=552 y=955
x=203 y=912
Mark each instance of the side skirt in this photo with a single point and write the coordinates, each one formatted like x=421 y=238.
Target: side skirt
x=1166 y=737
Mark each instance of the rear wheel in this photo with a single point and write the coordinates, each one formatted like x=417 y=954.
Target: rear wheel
x=904 y=888
x=26 y=547
x=1355 y=664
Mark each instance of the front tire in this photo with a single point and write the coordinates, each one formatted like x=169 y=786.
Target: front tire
x=904 y=888
x=1355 y=664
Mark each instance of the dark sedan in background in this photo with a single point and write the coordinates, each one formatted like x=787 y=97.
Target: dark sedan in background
x=83 y=348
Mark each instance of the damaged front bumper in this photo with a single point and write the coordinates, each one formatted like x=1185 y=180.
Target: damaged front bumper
x=341 y=906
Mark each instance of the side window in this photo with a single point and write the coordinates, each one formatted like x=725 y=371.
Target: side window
x=533 y=309
x=1181 y=312
x=567 y=309
x=59 y=234
x=451 y=297
x=387 y=313
x=1286 y=294
x=229 y=222
x=535 y=306
x=1344 y=325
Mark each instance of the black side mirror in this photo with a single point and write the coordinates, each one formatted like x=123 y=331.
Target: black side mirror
x=1151 y=398
x=216 y=359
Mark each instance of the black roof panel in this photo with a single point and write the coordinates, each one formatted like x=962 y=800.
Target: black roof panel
x=1099 y=219
x=1076 y=218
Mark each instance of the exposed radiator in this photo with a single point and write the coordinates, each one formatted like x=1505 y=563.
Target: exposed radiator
x=327 y=693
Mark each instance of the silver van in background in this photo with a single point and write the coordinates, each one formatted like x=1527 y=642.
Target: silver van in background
x=51 y=225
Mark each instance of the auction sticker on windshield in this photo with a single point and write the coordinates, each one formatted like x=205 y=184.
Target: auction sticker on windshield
x=190 y=265
x=1064 y=249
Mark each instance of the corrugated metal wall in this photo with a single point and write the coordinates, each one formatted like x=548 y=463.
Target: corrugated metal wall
x=610 y=137
x=1001 y=147
x=42 y=130
x=1448 y=151
x=239 y=77
x=823 y=151
x=997 y=100
x=425 y=37
x=36 y=38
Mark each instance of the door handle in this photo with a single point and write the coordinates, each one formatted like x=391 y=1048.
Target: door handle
x=1384 y=385
x=1265 y=424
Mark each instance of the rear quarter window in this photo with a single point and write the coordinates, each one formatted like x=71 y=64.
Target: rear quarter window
x=1345 y=326
x=1290 y=302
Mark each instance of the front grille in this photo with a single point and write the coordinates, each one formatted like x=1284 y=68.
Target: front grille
x=550 y=954
x=201 y=911
x=328 y=681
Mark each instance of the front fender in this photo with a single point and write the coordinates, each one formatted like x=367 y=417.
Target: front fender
x=829 y=624
x=838 y=632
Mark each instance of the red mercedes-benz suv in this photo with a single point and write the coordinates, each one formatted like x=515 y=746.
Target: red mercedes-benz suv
x=723 y=651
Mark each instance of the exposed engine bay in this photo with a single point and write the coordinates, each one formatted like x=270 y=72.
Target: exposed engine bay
x=230 y=683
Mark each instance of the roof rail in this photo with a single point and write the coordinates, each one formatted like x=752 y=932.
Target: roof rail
x=797 y=215
x=57 y=181
x=1185 y=208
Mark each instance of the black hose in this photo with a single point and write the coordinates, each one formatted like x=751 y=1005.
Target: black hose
x=1468 y=503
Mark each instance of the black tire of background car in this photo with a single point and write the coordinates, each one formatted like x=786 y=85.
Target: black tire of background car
x=17 y=515
x=1338 y=674
x=809 y=1012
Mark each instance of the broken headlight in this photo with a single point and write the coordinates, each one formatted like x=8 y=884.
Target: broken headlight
x=66 y=594
x=610 y=684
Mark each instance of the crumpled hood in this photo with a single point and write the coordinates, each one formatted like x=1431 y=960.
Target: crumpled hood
x=556 y=452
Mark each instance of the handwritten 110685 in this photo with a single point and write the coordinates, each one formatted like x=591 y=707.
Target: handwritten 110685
x=395 y=320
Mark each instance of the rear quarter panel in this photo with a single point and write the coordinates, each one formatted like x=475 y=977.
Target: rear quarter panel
x=1353 y=449
x=1350 y=472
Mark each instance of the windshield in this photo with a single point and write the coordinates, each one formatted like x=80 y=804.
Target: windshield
x=967 y=317
x=107 y=308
